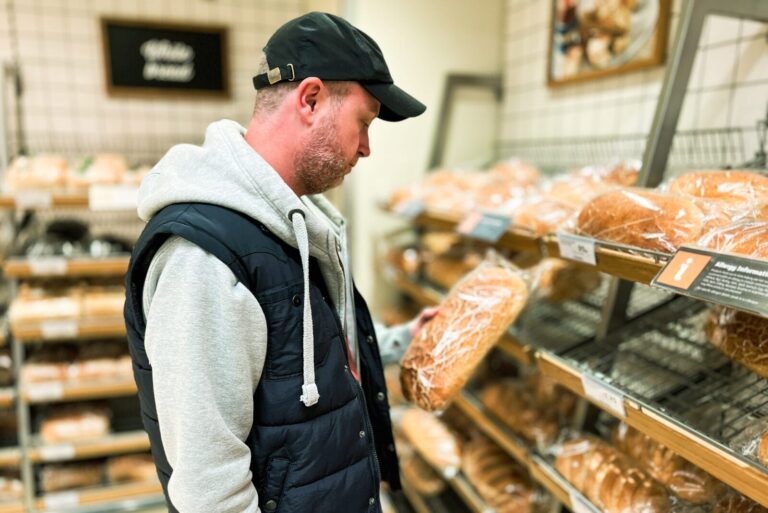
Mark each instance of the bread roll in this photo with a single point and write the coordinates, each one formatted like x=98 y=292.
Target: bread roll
x=641 y=218
x=131 y=468
x=560 y=280
x=684 y=479
x=762 y=449
x=734 y=503
x=512 y=403
x=447 y=349
x=745 y=238
x=499 y=479
x=543 y=215
x=734 y=185
x=740 y=336
x=70 y=475
x=39 y=172
x=610 y=479
x=432 y=439
x=72 y=423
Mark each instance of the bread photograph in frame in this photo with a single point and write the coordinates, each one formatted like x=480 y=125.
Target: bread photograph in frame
x=598 y=38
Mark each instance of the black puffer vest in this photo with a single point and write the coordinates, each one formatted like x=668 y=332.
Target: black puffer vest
x=328 y=457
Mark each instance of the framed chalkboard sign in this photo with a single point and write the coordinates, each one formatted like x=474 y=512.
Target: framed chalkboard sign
x=144 y=58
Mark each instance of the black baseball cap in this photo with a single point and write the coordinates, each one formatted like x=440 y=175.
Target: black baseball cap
x=328 y=47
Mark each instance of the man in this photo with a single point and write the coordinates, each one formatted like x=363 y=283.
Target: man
x=256 y=360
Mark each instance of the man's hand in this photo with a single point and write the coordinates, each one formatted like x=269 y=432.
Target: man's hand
x=424 y=317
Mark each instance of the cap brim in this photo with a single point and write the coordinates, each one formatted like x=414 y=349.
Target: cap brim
x=396 y=104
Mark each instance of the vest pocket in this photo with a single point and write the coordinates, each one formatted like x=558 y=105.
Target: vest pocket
x=272 y=490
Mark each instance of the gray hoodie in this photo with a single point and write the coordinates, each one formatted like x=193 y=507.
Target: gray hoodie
x=206 y=334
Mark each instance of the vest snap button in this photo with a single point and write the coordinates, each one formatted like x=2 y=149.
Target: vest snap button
x=362 y=434
x=296 y=300
x=270 y=505
x=391 y=447
x=369 y=339
x=372 y=501
x=380 y=396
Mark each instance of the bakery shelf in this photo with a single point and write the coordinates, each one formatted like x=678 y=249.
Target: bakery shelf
x=661 y=375
x=56 y=391
x=150 y=493
x=422 y=294
x=10 y=456
x=119 y=443
x=12 y=507
x=68 y=329
x=469 y=495
x=7 y=396
x=106 y=197
x=415 y=499
x=25 y=268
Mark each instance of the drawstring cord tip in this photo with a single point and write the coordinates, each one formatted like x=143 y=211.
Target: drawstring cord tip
x=310 y=395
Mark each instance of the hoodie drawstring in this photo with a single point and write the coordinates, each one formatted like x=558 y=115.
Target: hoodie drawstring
x=310 y=394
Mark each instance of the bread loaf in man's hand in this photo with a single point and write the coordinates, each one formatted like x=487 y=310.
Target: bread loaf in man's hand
x=684 y=479
x=740 y=336
x=642 y=218
x=447 y=349
x=499 y=479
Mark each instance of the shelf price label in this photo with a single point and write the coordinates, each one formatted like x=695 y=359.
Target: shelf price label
x=58 y=329
x=484 y=226
x=604 y=395
x=578 y=503
x=113 y=197
x=57 y=452
x=45 y=391
x=63 y=500
x=726 y=279
x=48 y=266
x=577 y=248
x=33 y=199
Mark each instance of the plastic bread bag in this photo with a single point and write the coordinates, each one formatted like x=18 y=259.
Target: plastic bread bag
x=641 y=218
x=558 y=280
x=740 y=336
x=685 y=480
x=472 y=317
x=578 y=186
x=11 y=487
x=748 y=238
x=736 y=186
x=541 y=214
x=516 y=171
x=417 y=472
x=753 y=441
x=498 y=479
x=608 y=478
x=67 y=476
x=74 y=422
x=441 y=191
x=737 y=503
x=432 y=440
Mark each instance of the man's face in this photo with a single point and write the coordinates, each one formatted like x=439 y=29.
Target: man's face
x=336 y=142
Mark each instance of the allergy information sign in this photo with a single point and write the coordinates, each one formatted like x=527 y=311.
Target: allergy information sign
x=727 y=279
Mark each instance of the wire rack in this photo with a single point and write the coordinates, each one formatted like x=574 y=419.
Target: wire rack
x=664 y=360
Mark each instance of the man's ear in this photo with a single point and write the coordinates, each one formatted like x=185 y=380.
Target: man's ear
x=311 y=93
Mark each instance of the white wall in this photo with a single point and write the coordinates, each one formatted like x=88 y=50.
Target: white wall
x=422 y=42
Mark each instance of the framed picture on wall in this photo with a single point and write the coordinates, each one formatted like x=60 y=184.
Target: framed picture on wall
x=598 y=38
x=149 y=58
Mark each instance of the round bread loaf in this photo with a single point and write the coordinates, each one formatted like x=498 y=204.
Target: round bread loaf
x=543 y=215
x=740 y=336
x=432 y=440
x=733 y=185
x=749 y=238
x=641 y=218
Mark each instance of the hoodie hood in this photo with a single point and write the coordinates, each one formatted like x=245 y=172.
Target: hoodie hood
x=226 y=171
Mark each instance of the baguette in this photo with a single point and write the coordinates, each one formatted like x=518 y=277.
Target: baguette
x=683 y=478
x=740 y=336
x=641 y=218
x=446 y=351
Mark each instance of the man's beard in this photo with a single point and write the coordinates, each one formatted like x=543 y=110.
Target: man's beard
x=321 y=165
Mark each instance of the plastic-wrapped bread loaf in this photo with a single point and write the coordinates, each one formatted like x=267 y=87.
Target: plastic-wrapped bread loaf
x=641 y=218
x=762 y=449
x=515 y=405
x=732 y=185
x=131 y=467
x=417 y=472
x=516 y=171
x=684 y=479
x=610 y=479
x=543 y=215
x=70 y=423
x=11 y=487
x=470 y=320
x=432 y=439
x=748 y=238
x=67 y=476
x=559 y=280
x=734 y=503
x=499 y=479
x=740 y=336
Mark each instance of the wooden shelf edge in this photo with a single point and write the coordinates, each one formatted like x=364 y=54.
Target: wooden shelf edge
x=738 y=474
x=469 y=495
x=103 y=495
x=54 y=391
x=108 y=266
x=415 y=499
x=12 y=507
x=120 y=443
x=10 y=457
x=69 y=330
x=7 y=397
